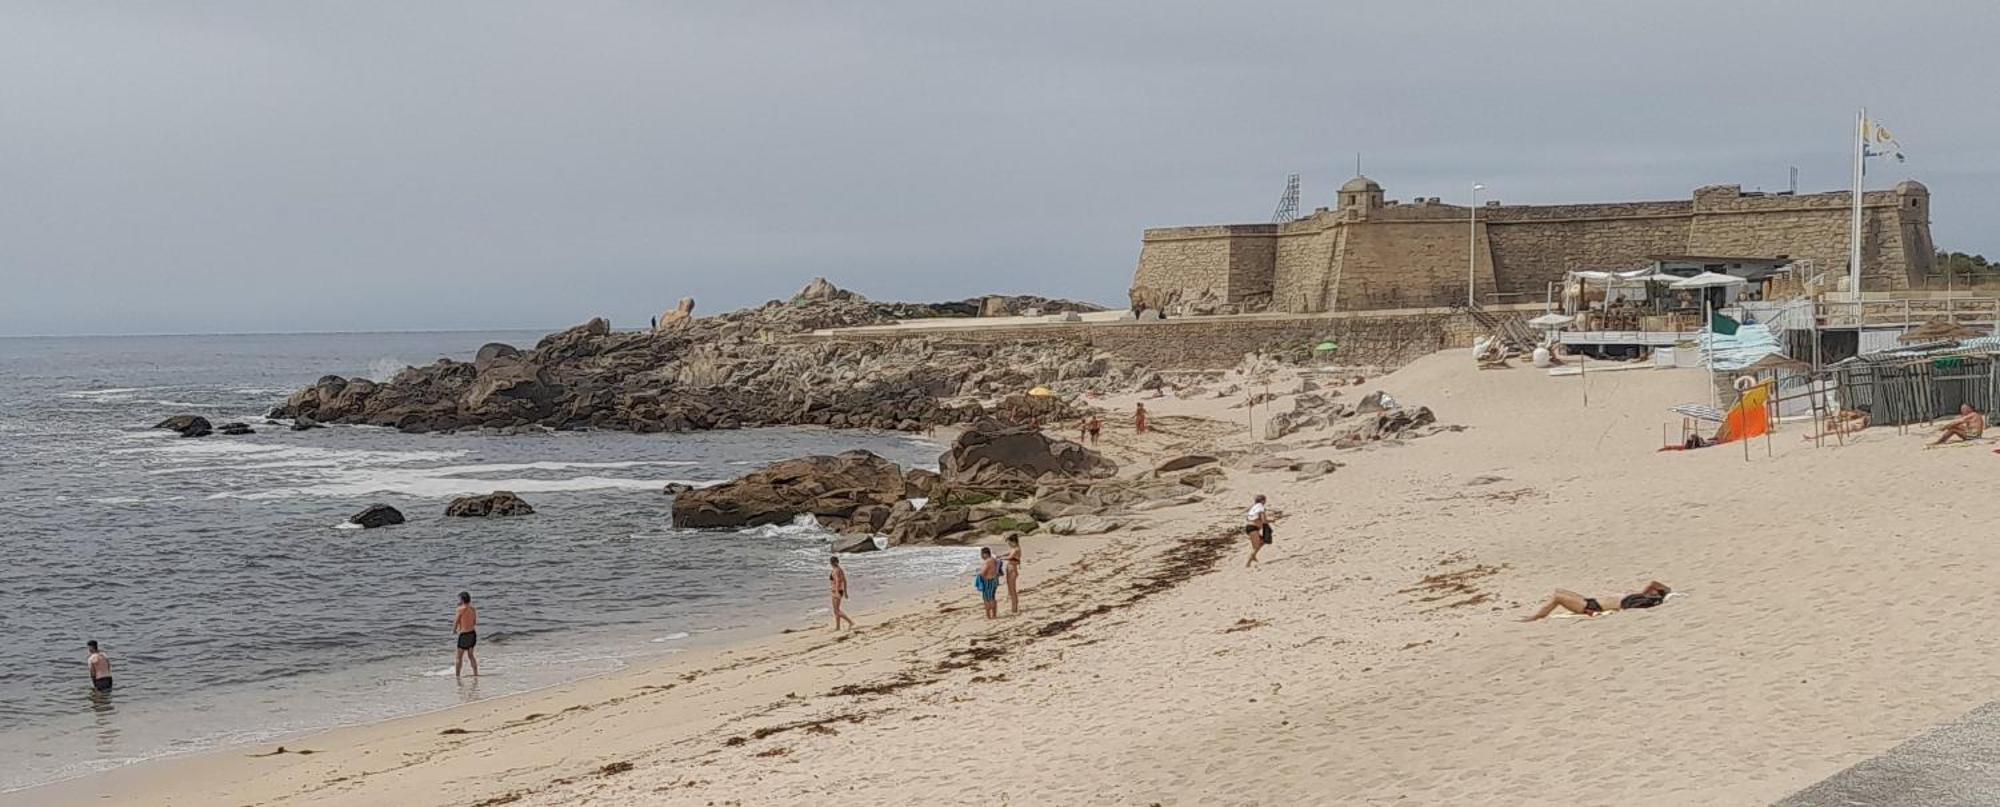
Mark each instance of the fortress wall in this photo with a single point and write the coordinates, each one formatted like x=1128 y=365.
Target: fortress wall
x=1251 y=271
x=1530 y=253
x=1407 y=264
x=1303 y=270
x=1894 y=236
x=1199 y=259
x=1199 y=343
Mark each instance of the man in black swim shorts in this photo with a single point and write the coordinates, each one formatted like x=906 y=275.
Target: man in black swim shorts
x=466 y=623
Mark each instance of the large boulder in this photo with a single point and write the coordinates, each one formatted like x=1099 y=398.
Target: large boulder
x=186 y=425
x=1082 y=525
x=516 y=388
x=236 y=429
x=1184 y=462
x=994 y=457
x=679 y=316
x=919 y=483
x=821 y=289
x=855 y=543
x=492 y=353
x=927 y=526
x=497 y=503
x=377 y=515
x=820 y=485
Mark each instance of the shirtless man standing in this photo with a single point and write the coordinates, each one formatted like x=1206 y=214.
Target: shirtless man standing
x=100 y=667
x=466 y=624
x=836 y=583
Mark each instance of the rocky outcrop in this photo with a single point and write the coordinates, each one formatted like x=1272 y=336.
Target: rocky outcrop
x=1082 y=525
x=829 y=486
x=821 y=289
x=186 y=425
x=235 y=429
x=376 y=515
x=930 y=525
x=919 y=483
x=734 y=370
x=992 y=456
x=497 y=503
x=1184 y=462
x=855 y=543
x=679 y=317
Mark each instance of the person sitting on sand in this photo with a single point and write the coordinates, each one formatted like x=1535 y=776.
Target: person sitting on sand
x=988 y=582
x=1653 y=594
x=465 y=622
x=100 y=667
x=1969 y=424
x=1255 y=535
x=836 y=583
x=1012 y=565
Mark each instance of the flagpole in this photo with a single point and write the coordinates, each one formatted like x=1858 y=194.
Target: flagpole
x=1854 y=231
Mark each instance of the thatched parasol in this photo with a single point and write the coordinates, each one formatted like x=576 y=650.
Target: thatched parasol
x=1939 y=329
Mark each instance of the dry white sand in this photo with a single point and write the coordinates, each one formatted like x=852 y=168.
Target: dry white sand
x=1837 y=602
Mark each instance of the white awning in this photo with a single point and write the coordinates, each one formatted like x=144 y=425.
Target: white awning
x=1708 y=280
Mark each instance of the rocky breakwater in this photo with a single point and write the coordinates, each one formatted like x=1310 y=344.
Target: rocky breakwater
x=728 y=371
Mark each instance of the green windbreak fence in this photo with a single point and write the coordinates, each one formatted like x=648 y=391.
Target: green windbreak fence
x=1903 y=390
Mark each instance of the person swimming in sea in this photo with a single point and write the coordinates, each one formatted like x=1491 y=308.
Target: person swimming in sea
x=988 y=582
x=100 y=667
x=1652 y=595
x=836 y=583
x=465 y=622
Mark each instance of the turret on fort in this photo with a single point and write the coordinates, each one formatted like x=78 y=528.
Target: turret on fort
x=1372 y=253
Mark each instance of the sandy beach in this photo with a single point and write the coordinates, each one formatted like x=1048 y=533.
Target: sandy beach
x=1833 y=607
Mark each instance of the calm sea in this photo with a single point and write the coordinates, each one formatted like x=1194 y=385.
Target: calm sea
x=233 y=610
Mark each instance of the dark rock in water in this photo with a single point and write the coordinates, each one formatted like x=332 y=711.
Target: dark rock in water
x=919 y=483
x=1184 y=462
x=377 y=515
x=676 y=488
x=818 y=485
x=855 y=543
x=497 y=503
x=235 y=429
x=926 y=526
x=302 y=423
x=995 y=457
x=187 y=425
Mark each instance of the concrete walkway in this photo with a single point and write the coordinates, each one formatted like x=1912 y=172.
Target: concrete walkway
x=1954 y=764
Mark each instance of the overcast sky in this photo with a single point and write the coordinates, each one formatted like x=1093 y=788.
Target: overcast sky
x=172 y=167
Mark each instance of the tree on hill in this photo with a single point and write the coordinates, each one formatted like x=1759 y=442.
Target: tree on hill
x=1959 y=263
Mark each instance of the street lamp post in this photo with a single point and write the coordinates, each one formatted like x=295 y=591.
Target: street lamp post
x=1472 y=246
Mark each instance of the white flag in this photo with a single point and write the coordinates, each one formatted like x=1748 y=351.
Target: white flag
x=1878 y=142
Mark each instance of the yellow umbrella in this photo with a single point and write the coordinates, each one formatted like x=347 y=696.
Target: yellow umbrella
x=1040 y=391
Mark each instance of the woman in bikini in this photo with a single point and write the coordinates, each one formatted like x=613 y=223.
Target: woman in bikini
x=1013 y=567
x=1653 y=594
x=836 y=583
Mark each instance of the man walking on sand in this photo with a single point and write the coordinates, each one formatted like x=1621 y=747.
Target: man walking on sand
x=836 y=582
x=100 y=667
x=466 y=624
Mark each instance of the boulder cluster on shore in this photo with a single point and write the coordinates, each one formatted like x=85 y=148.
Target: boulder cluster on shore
x=734 y=370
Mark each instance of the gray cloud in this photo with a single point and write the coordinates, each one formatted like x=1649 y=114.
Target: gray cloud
x=344 y=166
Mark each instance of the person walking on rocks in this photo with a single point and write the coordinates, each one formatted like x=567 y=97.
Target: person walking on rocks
x=836 y=582
x=465 y=622
x=988 y=582
x=1139 y=419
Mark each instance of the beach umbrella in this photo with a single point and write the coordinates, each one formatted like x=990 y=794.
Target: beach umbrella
x=1040 y=392
x=1325 y=347
x=1552 y=320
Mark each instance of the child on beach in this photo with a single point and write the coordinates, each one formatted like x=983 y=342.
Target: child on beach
x=465 y=622
x=988 y=582
x=836 y=581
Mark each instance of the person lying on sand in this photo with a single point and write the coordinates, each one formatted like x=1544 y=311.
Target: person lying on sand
x=1969 y=424
x=1653 y=594
x=1846 y=421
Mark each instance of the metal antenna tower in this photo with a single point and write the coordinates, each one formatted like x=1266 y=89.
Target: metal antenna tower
x=1288 y=204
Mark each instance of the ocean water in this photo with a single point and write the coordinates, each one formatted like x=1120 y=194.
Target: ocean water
x=234 y=610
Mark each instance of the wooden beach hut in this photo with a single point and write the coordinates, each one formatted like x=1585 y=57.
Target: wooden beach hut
x=1921 y=383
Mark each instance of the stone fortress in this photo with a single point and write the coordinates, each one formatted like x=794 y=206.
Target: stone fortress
x=1372 y=253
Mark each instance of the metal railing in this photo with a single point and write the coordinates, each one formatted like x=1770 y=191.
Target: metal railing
x=1896 y=313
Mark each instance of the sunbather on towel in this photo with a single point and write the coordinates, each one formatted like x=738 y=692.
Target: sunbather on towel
x=1846 y=421
x=1969 y=424
x=1653 y=594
